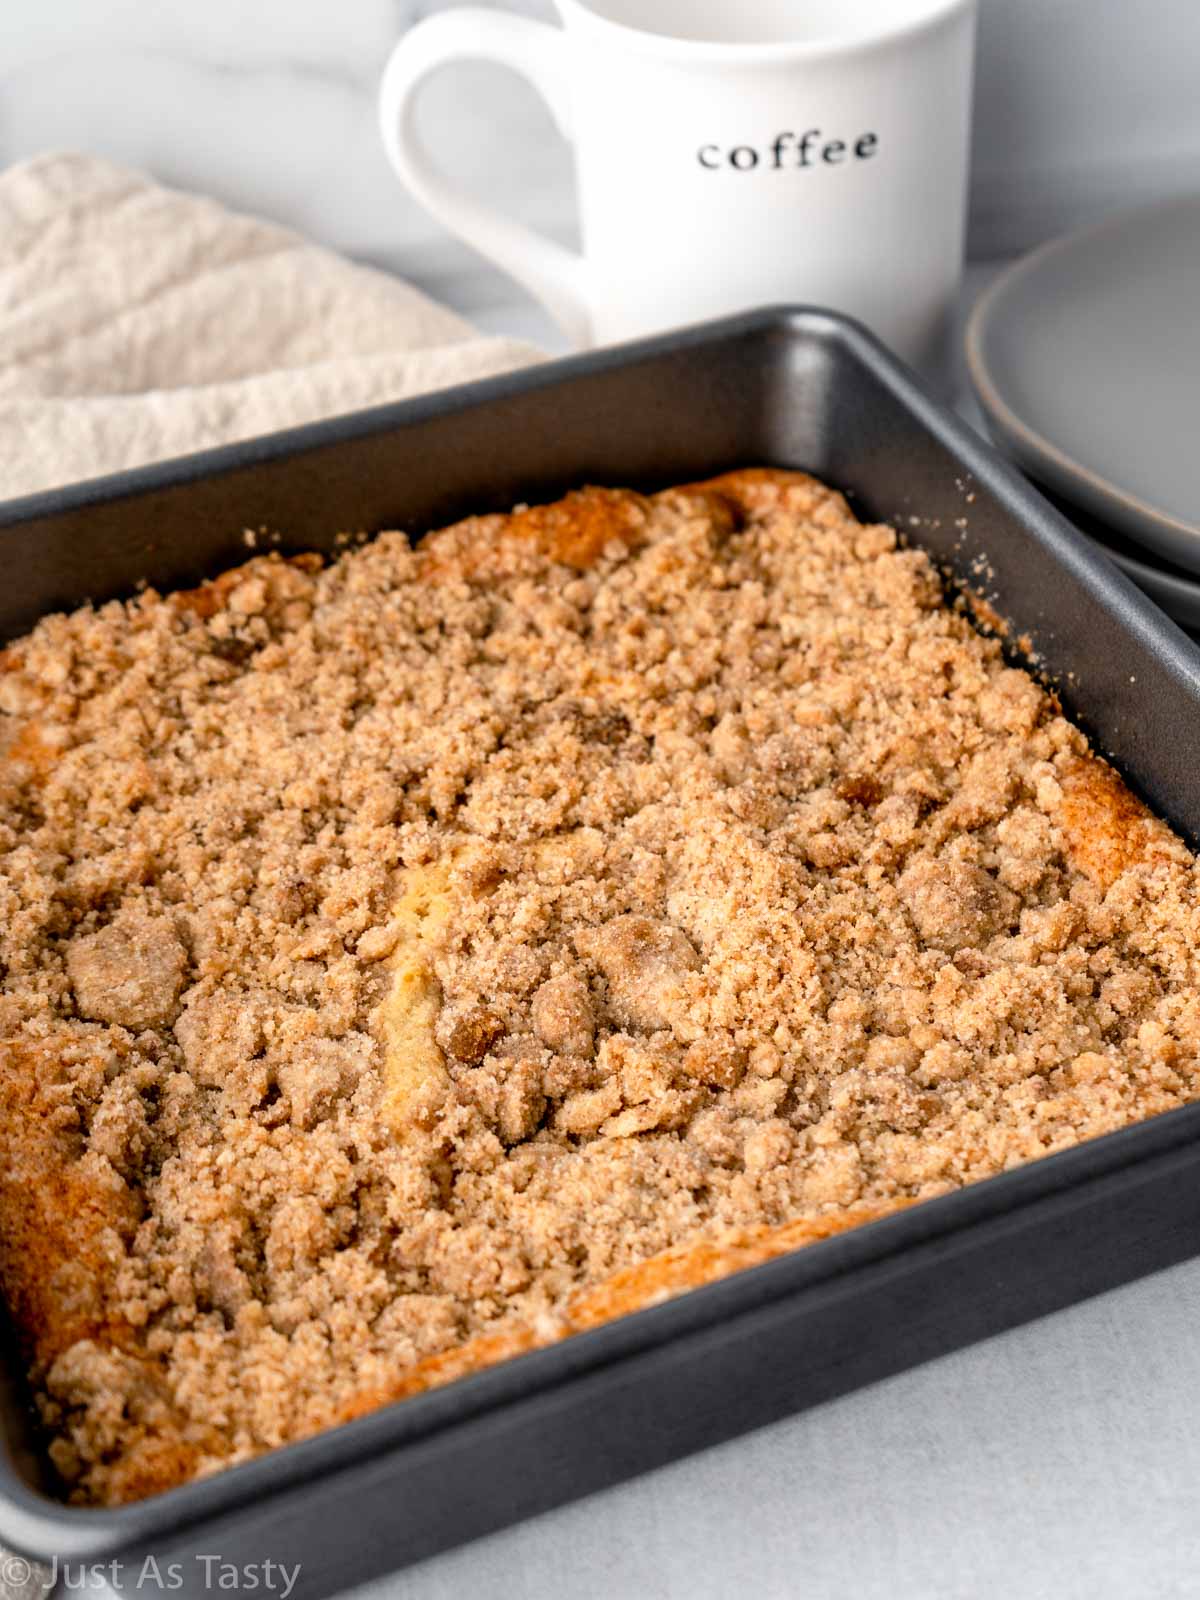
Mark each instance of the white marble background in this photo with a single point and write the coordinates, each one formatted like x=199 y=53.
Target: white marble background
x=1060 y=1461
x=1083 y=105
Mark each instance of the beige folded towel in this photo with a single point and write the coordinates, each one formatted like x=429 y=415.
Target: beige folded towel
x=138 y=323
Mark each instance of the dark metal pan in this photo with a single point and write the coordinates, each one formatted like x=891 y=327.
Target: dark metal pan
x=786 y=387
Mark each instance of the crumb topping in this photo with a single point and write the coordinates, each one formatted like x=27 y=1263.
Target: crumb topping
x=419 y=958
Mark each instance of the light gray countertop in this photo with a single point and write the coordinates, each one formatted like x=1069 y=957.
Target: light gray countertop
x=1056 y=1462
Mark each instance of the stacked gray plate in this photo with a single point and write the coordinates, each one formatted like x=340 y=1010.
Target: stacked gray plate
x=1085 y=357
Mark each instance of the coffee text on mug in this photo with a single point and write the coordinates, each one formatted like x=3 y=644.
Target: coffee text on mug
x=787 y=150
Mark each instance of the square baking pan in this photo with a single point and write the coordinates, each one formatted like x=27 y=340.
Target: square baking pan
x=796 y=388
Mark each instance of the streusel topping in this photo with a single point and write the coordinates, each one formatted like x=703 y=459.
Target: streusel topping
x=397 y=950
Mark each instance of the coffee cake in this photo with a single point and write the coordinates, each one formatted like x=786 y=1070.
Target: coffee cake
x=415 y=959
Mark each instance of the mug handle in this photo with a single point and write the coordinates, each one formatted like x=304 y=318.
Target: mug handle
x=551 y=273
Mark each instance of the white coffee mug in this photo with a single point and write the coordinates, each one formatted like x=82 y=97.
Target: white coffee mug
x=729 y=153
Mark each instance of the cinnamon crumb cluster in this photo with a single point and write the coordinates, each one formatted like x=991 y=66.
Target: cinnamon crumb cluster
x=400 y=951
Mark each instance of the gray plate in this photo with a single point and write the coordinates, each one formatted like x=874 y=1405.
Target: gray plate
x=1176 y=592
x=1086 y=358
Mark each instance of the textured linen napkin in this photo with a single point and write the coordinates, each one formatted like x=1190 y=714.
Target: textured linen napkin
x=138 y=323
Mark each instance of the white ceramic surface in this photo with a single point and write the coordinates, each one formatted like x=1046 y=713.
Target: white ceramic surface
x=726 y=158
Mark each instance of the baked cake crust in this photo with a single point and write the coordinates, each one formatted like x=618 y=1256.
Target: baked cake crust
x=418 y=959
